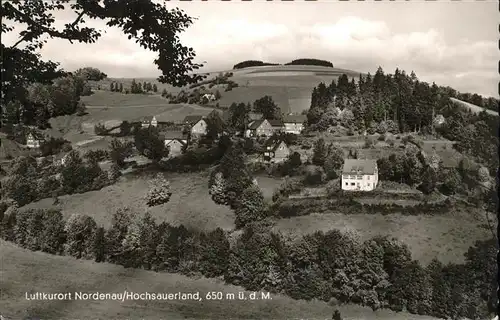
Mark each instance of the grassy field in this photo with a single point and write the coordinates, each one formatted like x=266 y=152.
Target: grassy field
x=472 y=107
x=104 y=98
x=111 y=108
x=25 y=271
x=446 y=237
x=189 y=205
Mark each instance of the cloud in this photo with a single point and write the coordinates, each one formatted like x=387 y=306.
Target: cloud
x=350 y=42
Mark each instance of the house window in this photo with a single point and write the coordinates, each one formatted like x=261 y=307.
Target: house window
x=346 y=184
x=368 y=179
x=368 y=184
x=352 y=184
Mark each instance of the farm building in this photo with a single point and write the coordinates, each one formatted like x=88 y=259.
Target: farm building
x=278 y=125
x=34 y=139
x=197 y=124
x=275 y=151
x=259 y=128
x=294 y=123
x=359 y=175
x=169 y=136
x=149 y=122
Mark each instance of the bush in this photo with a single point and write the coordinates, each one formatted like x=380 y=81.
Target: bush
x=382 y=137
x=314 y=175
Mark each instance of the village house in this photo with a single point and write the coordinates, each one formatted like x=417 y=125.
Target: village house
x=175 y=140
x=197 y=124
x=275 y=151
x=259 y=128
x=149 y=122
x=294 y=123
x=34 y=140
x=277 y=125
x=359 y=175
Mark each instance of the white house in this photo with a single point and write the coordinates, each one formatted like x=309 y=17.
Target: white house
x=197 y=124
x=294 y=123
x=259 y=128
x=176 y=147
x=33 y=140
x=359 y=175
x=146 y=123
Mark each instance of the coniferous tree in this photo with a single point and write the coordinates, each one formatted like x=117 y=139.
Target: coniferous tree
x=99 y=245
x=320 y=152
x=250 y=206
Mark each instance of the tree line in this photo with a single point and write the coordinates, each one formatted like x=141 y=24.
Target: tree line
x=296 y=62
x=331 y=266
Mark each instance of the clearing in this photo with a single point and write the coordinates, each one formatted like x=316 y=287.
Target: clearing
x=445 y=237
x=25 y=271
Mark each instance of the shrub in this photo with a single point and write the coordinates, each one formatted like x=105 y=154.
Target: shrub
x=314 y=175
x=250 y=206
x=159 y=191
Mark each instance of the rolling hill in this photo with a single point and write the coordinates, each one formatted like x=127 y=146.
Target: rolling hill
x=289 y=86
x=23 y=271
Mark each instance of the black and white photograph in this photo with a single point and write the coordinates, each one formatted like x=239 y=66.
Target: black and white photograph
x=218 y=160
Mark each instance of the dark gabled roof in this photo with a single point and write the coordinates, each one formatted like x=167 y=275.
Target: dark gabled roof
x=255 y=124
x=181 y=141
x=193 y=119
x=36 y=135
x=294 y=118
x=273 y=143
x=359 y=166
x=276 y=123
x=171 y=135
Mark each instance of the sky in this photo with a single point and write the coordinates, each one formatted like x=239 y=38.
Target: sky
x=450 y=43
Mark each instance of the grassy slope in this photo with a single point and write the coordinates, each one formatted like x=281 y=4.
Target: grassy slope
x=190 y=204
x=110 y=108
x=24 y=271
x=444 y=237
x=473 y=107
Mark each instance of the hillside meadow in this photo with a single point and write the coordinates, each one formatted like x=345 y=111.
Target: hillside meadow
x=189 y=205
x=445 y=237
x=26 y=271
